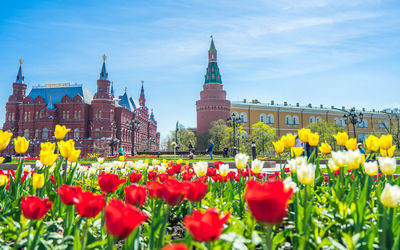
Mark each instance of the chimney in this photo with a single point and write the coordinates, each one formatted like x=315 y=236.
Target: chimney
x=363 y=109
x=244 y=100
x=321 y=106
x=297 y=104
x=343 y=108
x=284 y=103
x=309 y=105
x=373 y=110
x=332 y=107
x=272 y=102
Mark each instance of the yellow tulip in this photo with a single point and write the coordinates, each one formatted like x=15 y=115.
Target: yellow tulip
x=279 y=146
x=390 y=151
x=2 y=159
x=179 y=161
x=48 y=146
x=325 y=148
x=61 y=131
x=385 y=142
x=5 y=138
x=297 y=151
x=383 y=152
x=313 y=139
x=37 y=180
x=341 y=138
x=303 y=134
x=121 y=158
x=351 y=144
x=289 y=140
x=73 y=157
x=47 y=157
x=372 y=143
x=21 y=144
x=3 y=180
x=66 y=147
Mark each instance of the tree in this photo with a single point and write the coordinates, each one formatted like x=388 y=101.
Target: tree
x=184 y=137
x=325 y=131
x=219 y=131
x=393 y=126
x=262 y=135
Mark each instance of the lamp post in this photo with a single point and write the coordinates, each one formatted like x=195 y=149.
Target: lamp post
x=134 y=126
x=353 y=118
x=112 y=139
x=234 y=122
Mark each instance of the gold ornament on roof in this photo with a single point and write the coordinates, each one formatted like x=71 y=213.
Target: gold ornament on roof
x=104 y=57
x=21 y=61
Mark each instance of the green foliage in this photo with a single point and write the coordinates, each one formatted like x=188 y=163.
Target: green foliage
x=219 y=133
x=263 y=135
x=325 y=131
x=184 y=137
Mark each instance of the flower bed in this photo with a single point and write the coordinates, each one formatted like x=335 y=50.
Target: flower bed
x=155 y=205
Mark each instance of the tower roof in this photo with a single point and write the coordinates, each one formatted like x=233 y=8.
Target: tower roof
x=152 y=115
x=212 y=75
x=50 y=105
x=53 y=94
x=20 y=77
x=103 y=73
x=212 y=46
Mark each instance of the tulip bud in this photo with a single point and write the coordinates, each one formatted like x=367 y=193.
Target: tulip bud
x=371 y=168
x=241 y=160
x=37 y=180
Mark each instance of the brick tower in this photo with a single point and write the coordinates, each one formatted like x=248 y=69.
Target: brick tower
x=212 y=105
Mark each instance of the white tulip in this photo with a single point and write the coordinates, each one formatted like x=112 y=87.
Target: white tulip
x=257 y=166
x=353 y=159
x=223 y=170
x=200 y=168
x=332 y=166
x=339 y=158
x=100 y=160
x=92 y=171
x=241 y=160
x=371 y=168
x=289 y=184
x=390 y=196
x=306 y=173
x=387 y=164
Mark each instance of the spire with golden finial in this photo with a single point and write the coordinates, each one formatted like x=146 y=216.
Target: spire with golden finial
x=103 y=73
x=20 y=77
x=104 y=57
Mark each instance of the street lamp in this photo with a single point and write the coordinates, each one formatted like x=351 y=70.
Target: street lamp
x=135 y=125
x=114 y=129
x=234 y=122
x=353 y=118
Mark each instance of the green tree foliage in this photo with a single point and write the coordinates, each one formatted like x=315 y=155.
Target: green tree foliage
x=325 y=131
x=185 y=136
x=263 y=135
x=219 y=133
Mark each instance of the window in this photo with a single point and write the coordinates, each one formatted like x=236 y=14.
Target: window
x=295 y=120
x=312 y=119
x=67 y=118
x=270 y=119
x=288 y=120
x=336 y=121
x=365 y=122
x=360 y=124
x=318 y=119
x=360 y=138
x=97 y=133
x=37 y=133
x=76 y=134
x=36 y=115
x=386 y=124
x=26 y=133
x=243 y=117
x=343 y=122
x=236 y=114
x=263 y=118
x=45 y=134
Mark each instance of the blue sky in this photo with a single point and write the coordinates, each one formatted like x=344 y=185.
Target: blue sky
x=331 y=52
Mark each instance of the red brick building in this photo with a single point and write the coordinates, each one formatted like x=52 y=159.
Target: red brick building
x=99 y=123
x=212 y=104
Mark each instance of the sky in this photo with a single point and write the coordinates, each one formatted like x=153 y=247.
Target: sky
x=330 y=52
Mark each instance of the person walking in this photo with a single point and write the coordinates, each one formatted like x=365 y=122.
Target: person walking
x=121 y=151
x=191 y=150
x=210 y=149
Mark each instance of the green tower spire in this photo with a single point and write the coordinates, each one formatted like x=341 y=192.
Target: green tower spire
x=212 y=75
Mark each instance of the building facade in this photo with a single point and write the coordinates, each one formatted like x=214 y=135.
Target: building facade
x=213 y=104
x=285 y=118
x=99 y=123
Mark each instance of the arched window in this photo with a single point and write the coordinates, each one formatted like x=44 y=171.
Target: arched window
x=343 y=122
x=312 y=119
x=45 y=133
x=263 y=118
x=360 y=124
x=295 y=120
x=26 y=133
x=37 y=133
x=288 y=120
x=336 y=121
x=243 y=117
x=76 y=134
x=96 y=133
x=270 y=119
x=318 y=119
x=386 y=124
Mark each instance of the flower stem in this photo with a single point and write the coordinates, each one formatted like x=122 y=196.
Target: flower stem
x=268 y=237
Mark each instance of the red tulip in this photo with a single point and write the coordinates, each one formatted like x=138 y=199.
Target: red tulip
x=173 y=192
x=187 y=176
x=267 y=201
x=35 y=208
x=155 y=189
x=163 y=177
x=206 y=226
x=53 y=181
x=109 y=182
x=135 y=195
x=196 y=190
x=151 y=175
x=175 y=246
x=217 y=163
x=68 y=193
x=121 y=219
x=134 y=177
x=88 y=204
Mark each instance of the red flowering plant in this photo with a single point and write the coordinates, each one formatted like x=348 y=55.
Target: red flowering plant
x=109 y=182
